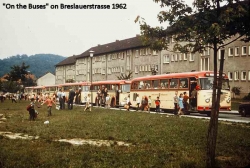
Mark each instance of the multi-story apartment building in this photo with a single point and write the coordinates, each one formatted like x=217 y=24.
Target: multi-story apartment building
x=112 y=59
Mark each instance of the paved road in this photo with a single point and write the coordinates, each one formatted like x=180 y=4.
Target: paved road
x=232 y=116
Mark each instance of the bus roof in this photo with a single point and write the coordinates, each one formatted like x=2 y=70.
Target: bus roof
x=111 y=82
x=74 y=84
x=197 y=74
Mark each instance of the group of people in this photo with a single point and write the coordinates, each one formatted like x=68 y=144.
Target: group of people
x=143 y=104
x=102 y=96
x=181 y=105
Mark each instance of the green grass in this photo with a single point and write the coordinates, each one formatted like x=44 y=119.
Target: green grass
x=157 y=140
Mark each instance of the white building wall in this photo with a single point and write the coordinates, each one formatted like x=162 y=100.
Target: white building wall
x=46 y=80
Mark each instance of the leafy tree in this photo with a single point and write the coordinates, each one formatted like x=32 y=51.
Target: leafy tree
x=18 y=73
x=125 y=76
x=208 y=23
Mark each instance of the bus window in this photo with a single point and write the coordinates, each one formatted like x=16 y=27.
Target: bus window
x=155 y=84
x=206 y=83
x=173 y=83
x=85 y=88
x=141 y=85
x=183 y=83
x=126 y=88
x=147 y=84
x=134 y=85
x=164 y=83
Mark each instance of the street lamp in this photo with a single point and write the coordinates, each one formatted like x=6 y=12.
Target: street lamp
x=91 y=54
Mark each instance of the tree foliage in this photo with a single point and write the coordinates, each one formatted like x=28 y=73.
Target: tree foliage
x=208 y=23
x=125 y=76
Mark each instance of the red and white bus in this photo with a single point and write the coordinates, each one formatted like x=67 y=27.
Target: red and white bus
x=118 y=91
x=164 y=86
x=81 y=89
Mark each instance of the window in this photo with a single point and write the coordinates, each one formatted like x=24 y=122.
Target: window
x=149 y=51
x=122 y=55
x=122 y=69
x=184 y=56
x=149 y=67
x=136 y=69
x=146 y=68
x=109 y=71
x=244 y=50
x=180 y=57
x=206 y=52
x=176 y=57
x=155 y=84
x=164 y=83
x=128 y=52
x=191 y=57
x=183 y=83
x=172 y=59
x=220 y=53
x=230 y=75
x=248 y=75
x=237 y=51
x=243 y=75
x=205 y=64
x=166 y=59
x=173 y=83
x=109 y=57
x=155 y=52
x=103 y=71
x=236 y=75
x=136 y=53
x=230 y=52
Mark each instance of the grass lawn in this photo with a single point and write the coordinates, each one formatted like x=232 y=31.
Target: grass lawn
x=155 y=140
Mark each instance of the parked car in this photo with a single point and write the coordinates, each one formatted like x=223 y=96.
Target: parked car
x=244 y=108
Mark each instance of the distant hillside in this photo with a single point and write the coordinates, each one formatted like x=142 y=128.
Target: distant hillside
x=39 y=63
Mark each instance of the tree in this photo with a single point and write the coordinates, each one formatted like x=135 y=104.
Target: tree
x=209 y=23
x=18 y=73
x=125 y=77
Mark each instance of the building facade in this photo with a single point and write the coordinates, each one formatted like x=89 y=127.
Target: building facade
x=47 y=79
x=130 y=55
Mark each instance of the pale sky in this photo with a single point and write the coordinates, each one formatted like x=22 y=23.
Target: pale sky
x=69 y=32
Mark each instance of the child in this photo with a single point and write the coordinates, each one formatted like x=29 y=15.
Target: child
x=180 y=102
x=88 y=103
x=157 y=104
x=31 y=110
x=107 y=102
x=49 y=105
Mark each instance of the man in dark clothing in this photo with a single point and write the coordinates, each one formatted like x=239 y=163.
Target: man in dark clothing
x=71 y=99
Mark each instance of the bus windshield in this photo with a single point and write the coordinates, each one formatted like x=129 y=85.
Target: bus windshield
x=207 y=83
x=126 y=88
x=85 y=88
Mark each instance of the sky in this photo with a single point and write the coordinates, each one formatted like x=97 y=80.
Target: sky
x=69 y=32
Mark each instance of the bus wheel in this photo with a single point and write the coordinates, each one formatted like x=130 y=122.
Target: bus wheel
x=209 y=113
x=243 y=112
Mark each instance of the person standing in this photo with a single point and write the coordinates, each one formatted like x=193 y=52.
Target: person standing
x=157 y=104
x=138 y=101
x=64 y=99
x=193 y=99
x=185 y=102
x=128 y=103
x=180 y=102
x=88 y=103
x=49 y=103
x=107 y=101
x=32 y=111
x=60 y=97
x=176 y=103
x=71 y=99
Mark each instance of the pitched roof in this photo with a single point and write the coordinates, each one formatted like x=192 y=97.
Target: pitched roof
x=118 y=45
x=68 y=61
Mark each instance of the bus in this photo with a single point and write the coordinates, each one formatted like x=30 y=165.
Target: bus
x=118 y=91
x=81 y=89
x=164 y=86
